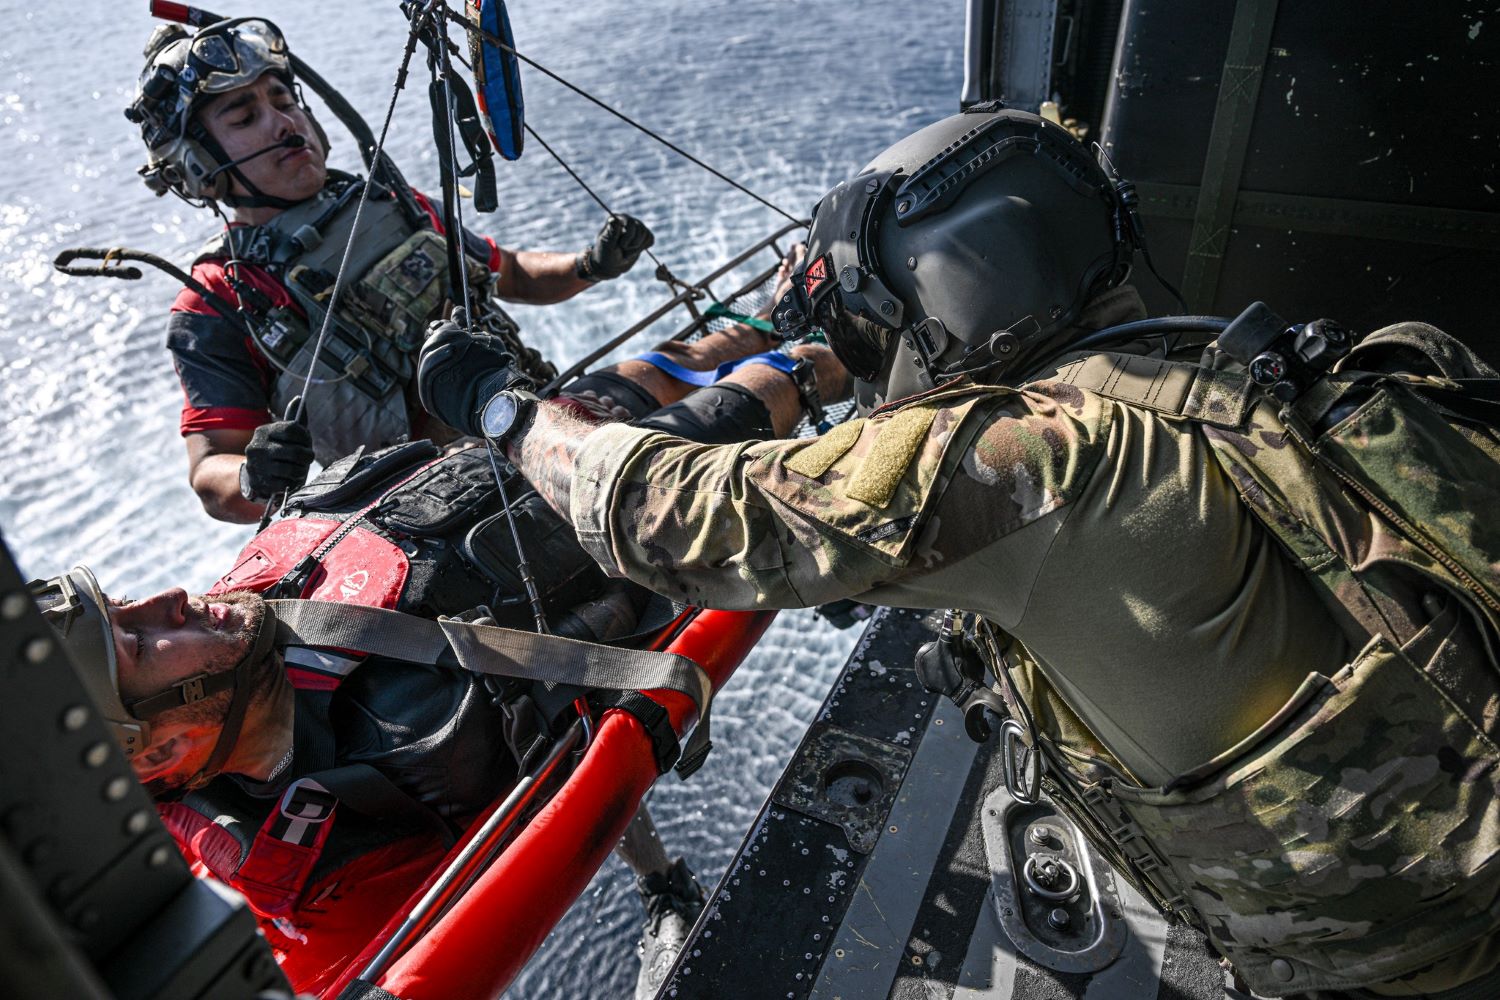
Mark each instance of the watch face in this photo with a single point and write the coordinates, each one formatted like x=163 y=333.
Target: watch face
x=499 y=415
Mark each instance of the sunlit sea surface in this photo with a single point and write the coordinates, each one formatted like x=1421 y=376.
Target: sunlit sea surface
x=788 y=97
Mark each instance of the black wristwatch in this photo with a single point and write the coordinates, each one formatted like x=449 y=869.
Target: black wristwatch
x=507 y=411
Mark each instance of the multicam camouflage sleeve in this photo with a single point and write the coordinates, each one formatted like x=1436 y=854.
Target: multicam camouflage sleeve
x=795 y=523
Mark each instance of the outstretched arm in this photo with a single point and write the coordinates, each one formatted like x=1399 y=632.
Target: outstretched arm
x=538 y=277
x=546 y=451
x=543 y=277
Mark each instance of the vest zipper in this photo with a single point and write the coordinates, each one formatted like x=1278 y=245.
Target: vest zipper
x=302 y=572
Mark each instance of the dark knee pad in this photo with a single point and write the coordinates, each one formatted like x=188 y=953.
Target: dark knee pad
x=715 y=414
x=620 y=390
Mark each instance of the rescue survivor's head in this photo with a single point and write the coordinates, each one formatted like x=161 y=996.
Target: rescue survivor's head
x=970 y=246
x=223 y=119
x=172 y=675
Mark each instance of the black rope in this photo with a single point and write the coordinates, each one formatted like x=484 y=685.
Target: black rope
x=662 y=271
x=492 y=40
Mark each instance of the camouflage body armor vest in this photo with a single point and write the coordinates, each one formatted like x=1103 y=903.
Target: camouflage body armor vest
x=1355 y=836
x=395 y=284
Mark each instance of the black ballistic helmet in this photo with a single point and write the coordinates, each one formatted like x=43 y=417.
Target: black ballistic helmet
x=970 y=246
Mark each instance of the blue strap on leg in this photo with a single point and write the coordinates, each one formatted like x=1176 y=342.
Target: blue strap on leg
x=782 y=362
x=804 y=380
x=678 y=372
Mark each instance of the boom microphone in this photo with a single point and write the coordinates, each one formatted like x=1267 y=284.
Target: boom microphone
x=293 y=141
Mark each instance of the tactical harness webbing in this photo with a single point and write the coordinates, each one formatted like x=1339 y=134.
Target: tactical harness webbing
x=279 y=862
x=1368 y=473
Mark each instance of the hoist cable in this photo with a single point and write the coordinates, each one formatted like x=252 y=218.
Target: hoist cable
x=498 y=43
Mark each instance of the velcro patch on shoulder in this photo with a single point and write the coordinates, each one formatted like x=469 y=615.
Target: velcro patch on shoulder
x=818 y=457
x=878 y=475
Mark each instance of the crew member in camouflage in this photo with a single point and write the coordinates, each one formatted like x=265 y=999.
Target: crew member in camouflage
x=1272 y=670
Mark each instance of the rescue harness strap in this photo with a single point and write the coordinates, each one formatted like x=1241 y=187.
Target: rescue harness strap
x=502 y=652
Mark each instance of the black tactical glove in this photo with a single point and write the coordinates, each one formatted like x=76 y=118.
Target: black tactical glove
x=276 y=460
x=458 y=372
x=615 y=250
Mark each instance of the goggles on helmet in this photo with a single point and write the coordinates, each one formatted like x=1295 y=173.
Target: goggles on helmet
x=234 y=53
x=219 y=58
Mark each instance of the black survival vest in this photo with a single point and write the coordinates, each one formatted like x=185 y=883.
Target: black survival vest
x=408 y=529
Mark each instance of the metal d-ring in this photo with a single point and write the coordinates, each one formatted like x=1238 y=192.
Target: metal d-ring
x=1034 y=883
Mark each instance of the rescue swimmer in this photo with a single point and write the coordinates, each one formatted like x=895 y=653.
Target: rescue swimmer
x=225 y=124
x=1242 y=606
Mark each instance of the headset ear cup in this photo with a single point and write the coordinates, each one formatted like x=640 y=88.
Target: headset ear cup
x=200 y=164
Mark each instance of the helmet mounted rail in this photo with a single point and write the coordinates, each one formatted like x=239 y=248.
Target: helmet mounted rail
x=970 y=246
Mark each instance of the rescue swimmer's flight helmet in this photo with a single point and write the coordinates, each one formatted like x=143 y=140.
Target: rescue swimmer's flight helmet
x=182 y=72
x=970 y=246
x=76 y=608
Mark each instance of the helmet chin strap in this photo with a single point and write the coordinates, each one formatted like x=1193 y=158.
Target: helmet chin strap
x=239 y=701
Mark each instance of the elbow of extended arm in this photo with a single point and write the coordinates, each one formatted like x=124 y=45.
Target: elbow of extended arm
x=219 y=493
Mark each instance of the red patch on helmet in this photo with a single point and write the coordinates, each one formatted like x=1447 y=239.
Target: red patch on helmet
x=816 y=275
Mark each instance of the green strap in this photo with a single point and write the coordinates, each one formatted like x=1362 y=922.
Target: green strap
x=718 y=310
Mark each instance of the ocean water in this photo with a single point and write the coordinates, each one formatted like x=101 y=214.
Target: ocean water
x=788 y=97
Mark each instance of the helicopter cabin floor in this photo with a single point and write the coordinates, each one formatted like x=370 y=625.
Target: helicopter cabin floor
x=890 y=861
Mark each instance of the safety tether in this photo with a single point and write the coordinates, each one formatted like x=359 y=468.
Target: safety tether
x=496 y=651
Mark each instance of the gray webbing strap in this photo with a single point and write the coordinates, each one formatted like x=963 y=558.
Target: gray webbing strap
x=1229 y=140
x=489 y=649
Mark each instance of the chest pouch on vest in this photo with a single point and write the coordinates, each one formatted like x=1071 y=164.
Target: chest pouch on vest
x=354 y=475
x=1433 y=478
x=1345 y=841
x=564 y=573
x=437 y=498
x=404 y=291
x=354 y=351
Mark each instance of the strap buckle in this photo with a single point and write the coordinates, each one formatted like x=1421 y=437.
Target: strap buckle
x=301 y=812
x=192 y=689
x=805 y=378
x=653 y=718
x=307 y=801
